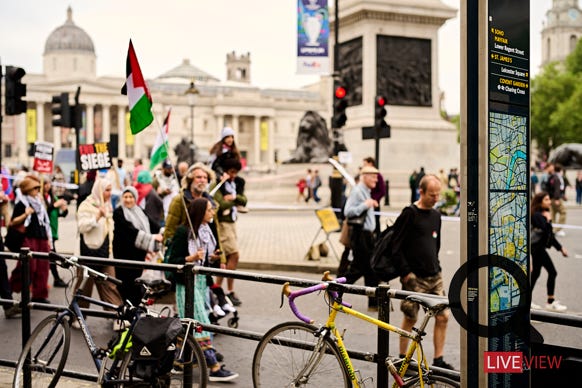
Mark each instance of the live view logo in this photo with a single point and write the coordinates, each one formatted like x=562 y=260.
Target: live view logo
x=515 y=362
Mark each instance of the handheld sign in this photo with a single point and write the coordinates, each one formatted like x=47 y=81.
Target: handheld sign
x=94 y=156
x=43 y=157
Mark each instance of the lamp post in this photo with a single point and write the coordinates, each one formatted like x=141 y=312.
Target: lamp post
x=191 y=92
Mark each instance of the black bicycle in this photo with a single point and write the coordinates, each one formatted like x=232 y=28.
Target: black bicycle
x=44 y=355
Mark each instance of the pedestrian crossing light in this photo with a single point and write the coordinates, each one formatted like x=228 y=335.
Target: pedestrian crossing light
x=15 y=91
x=340 y=104
x=61 y=111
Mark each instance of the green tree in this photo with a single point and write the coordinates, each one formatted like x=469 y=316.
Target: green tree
x=550 y=89
x=556 y=97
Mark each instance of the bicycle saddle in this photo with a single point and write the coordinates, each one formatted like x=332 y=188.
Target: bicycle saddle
x=156 y=285
x=432 y=303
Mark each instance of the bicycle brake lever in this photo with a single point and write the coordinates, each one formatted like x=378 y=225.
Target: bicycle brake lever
x=285 y=291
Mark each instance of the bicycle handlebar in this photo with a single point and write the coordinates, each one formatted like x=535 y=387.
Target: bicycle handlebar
x=318 y=287
x=65 y=262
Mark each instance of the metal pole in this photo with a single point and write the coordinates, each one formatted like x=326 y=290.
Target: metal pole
x=335 y=181
x=189 y=279
x=25 y=300
x=383 y=338
x=192 y=131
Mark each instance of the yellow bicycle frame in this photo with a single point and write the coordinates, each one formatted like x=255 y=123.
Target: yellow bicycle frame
x=416 y=338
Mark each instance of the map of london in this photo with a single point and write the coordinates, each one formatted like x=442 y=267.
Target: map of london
x=508 y=195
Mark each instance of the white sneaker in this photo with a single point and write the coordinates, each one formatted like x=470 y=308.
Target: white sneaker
x=560 y=233
x=228 y=308
x=242 y=209
x=535 y=306
x=76 y=325
x=218 y=311
x=556 y=306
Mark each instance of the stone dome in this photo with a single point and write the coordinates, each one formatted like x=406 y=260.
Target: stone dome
x=69 y=37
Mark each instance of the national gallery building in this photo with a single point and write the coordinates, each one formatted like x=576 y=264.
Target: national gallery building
x=265 y=121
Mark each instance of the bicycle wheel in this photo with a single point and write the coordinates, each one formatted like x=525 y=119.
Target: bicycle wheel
x=436 y=381
x=291 y=354
x=49 y=347
x=192 y=359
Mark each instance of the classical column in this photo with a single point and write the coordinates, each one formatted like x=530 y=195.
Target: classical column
x=106 y=123
x=121 y=131
x=271 y=150
x=257 y=141
x=90 y=139
x=234 y=126
x=40 y=121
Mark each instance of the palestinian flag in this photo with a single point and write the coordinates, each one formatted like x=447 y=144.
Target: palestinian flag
x=160 y=149
x=140 y=100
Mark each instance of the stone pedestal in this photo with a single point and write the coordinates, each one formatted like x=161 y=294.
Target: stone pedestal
x=419 y=136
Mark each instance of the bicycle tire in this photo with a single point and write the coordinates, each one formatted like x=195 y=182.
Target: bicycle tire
x=277 y=364
x=437 y=381
x=46 y=366
x=195 y=361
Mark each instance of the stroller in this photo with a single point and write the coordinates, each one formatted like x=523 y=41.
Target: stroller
x=220 y=307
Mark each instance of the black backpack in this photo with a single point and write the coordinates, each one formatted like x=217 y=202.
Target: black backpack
x=383 y=263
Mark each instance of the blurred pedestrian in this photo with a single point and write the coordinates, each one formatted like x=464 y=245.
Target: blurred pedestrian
x=166 y=184
x=579 y=188
x=412 y=185
x=230 y=196
x=542 y=238
x=95 y=223
x=361 y=205
x=147 y=198
x=197 y=244
x=56 y=208
x=222 y=150
x=377 y=193
x=29 y=211
x=136 y=237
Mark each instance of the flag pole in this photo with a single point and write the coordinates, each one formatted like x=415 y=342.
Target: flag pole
x=166 y=144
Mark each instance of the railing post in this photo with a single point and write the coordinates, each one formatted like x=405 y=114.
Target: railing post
x=24 y=258
x=189 y=279
x=383 y=335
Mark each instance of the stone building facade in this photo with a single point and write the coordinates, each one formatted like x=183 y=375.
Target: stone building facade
x=265 y=121
x=562 y=30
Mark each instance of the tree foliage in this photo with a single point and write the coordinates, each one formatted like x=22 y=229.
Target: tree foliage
x=556 y=98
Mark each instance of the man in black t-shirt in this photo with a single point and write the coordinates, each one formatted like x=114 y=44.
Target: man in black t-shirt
x=416 y=244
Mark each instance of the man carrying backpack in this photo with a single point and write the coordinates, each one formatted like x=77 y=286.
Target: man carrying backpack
x=415 y=246
x=359 y=211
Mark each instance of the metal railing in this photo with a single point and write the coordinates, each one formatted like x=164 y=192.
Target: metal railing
x=383 y=292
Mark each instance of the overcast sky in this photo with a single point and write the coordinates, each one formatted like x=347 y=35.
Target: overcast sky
x=166 y=32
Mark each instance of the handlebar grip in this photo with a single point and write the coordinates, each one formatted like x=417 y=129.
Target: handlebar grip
x=55 y=256
x=113 y=280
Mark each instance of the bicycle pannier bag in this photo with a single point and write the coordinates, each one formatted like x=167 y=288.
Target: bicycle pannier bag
x=154 y=345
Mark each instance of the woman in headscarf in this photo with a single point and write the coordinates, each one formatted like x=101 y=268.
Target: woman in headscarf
x=95 y=223
x=29 y=211
x=199 y=246
x=136 y=237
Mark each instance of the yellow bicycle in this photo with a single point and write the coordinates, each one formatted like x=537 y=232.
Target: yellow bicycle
x=299 y=354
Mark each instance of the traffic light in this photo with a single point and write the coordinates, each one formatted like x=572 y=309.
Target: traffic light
x=379 y=112
x=15 y=91
x=61 y=111
x=340 y=104
x=77 y=117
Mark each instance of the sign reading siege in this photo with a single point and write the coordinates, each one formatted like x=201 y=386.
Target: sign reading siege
x=43 y=157
x=94 y=156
